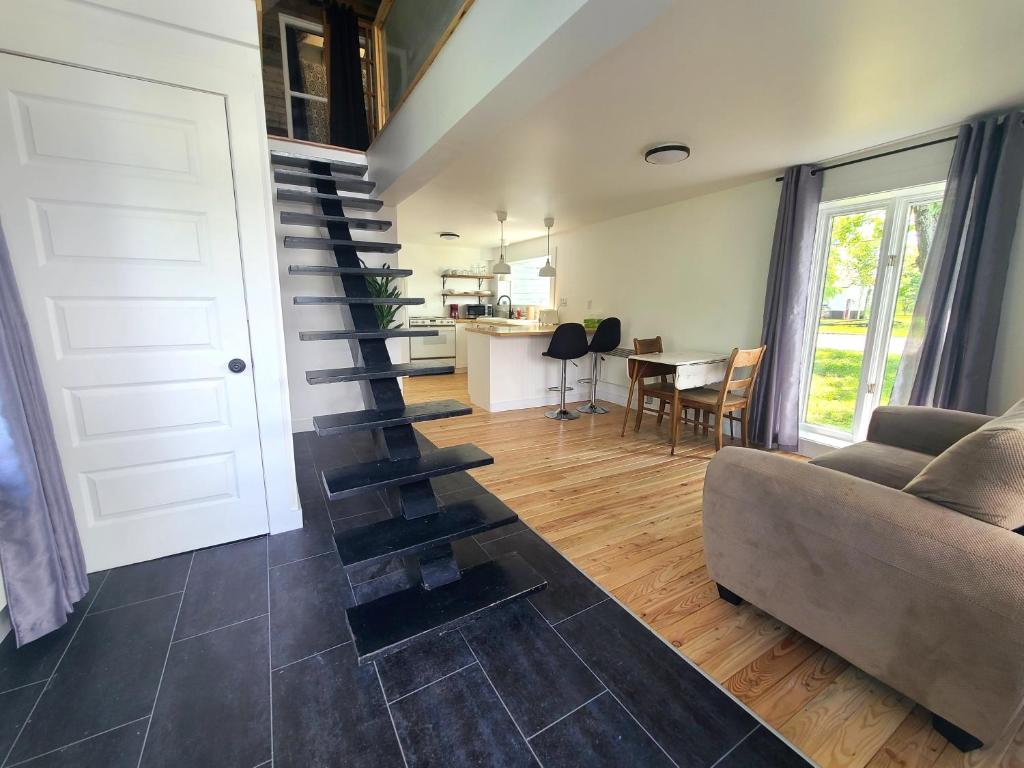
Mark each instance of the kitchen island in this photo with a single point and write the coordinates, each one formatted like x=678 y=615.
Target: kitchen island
x=507 y=370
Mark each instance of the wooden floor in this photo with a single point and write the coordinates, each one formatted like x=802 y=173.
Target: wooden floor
x=629 y=515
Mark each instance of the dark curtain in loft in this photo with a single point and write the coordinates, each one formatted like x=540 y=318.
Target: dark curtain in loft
x=345 y=80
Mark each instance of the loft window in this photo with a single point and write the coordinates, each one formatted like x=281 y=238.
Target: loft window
x=305 y=80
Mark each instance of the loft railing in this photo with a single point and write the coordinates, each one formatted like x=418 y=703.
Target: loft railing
x=408 y=35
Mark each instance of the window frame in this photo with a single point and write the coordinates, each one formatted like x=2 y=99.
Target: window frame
x=306 y=26
x=539 y=260
x=897 y=204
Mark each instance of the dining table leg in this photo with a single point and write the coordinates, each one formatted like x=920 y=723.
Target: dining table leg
x=675 y=421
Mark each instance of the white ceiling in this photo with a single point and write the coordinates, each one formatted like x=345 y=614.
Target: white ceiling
x=751 y=86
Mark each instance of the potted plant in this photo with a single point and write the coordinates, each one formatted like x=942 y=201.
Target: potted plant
x=384 y=287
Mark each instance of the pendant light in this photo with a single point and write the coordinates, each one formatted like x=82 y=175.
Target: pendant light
x=502 y=267
x=547 y=270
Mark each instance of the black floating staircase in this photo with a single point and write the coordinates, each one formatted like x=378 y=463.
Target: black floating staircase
x=432 y=592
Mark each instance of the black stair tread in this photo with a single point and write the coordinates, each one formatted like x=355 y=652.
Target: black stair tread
x=392 y=622
x=301 y=161
x=401 y=301
x=358 y=203
x=303 y=269
x=356 y=335
x=336 y=423
x=320 y=220
x=309 y=179
x=399 y=537
x=393 y=371
x=326 y=244
x=351 y=480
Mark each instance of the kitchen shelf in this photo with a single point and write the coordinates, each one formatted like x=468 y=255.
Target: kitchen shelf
x=478 y=294
x=471 y=275
x=466 y=276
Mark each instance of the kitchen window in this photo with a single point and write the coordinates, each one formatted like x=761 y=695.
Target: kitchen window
x=528 y=287
x=870 y=254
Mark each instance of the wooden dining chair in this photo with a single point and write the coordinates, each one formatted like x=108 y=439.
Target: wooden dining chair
x=659 y=388
x=734 y=395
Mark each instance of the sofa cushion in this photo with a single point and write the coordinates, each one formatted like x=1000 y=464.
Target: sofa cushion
x=982 y=474
x=877 y=462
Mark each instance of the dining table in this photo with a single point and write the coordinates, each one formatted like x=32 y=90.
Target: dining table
x=691 y=368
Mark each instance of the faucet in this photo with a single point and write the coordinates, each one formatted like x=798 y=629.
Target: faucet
x=498 y=304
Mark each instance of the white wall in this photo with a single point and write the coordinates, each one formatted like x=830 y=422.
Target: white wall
x=308 y=400
x=427 y=262
x=692 y=272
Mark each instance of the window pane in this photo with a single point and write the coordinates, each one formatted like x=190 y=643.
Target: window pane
x=527 y=285
x=310 y=120
x=854 y=241
x=922 y=220
x=306 y=70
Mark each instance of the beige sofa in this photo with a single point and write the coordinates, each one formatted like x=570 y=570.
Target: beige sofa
x=925 y=598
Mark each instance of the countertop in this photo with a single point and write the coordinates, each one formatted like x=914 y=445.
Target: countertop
x=512 y=330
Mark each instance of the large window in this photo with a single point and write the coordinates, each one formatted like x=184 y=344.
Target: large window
x=305 y=80
x=527 y=286
x=870 y=253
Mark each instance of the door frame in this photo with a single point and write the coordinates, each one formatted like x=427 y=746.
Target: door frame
x=896 y=203
x=185 y=46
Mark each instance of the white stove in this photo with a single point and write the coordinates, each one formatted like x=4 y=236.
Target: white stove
x=439 y=349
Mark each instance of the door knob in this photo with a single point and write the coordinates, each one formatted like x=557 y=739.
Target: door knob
x=237 y=365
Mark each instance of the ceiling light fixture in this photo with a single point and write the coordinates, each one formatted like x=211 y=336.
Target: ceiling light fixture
x=666 y=154
x=448 y=235
x=502 y=267
x=547 y=270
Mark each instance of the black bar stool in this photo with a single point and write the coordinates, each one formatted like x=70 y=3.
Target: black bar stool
x=606 y=338
x=568 y=342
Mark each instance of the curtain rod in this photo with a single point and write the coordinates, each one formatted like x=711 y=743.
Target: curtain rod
x=880 y=154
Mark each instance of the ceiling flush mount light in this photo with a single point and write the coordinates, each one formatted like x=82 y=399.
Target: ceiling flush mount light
x=666 y=154
x=547 y=270
x=502 y=267
x=448 y=235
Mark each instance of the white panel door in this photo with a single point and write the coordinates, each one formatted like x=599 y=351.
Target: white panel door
x=116 y=198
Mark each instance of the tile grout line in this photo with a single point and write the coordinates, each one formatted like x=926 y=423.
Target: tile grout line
x=218 y=629
x=19 y=687
x=432 y=682
x=299 y=560
x=136 y=602
x=610 y=691
x=731 y=749
x=307 y=658
x=554 y=624
x=56 y=666
x=387 y=706
x=78 y=741
x=502 y=701
x=570 y=712
x=167 y=656
x=270 y=661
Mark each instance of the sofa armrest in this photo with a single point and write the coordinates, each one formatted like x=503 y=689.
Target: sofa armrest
x=927 y=430
x=928 y=600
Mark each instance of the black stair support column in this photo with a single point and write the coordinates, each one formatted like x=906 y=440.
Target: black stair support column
x=438 y=566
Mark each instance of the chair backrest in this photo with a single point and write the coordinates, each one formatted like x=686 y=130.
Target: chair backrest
x=741 y=359
x=649 y=347
x=607 y=336
x=568 y=342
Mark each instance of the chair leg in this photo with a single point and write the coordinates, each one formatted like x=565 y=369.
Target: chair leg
x=696 y=420
x=745 y=427
x=719 y=424
x=706 y=419
x=561 y=414
x=595 y=370
x=639 y=410
x=661 y=411
x=675 y=416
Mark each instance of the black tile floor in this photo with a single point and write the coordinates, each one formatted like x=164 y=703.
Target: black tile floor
x=239 y=655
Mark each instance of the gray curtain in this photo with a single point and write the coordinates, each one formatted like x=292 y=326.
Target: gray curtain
x=775 y=414
x=40 y=554
x=947 y=361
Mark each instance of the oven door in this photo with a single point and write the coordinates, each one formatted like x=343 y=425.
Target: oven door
x=433 y=347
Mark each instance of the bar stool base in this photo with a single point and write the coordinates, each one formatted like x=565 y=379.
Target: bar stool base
x=592 y=408
x=561 y=415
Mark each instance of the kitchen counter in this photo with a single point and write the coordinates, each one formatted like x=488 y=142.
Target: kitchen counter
x=533 y=329
x=508 y=371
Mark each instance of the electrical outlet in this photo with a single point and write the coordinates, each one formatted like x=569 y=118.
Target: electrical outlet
x=563 y=302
